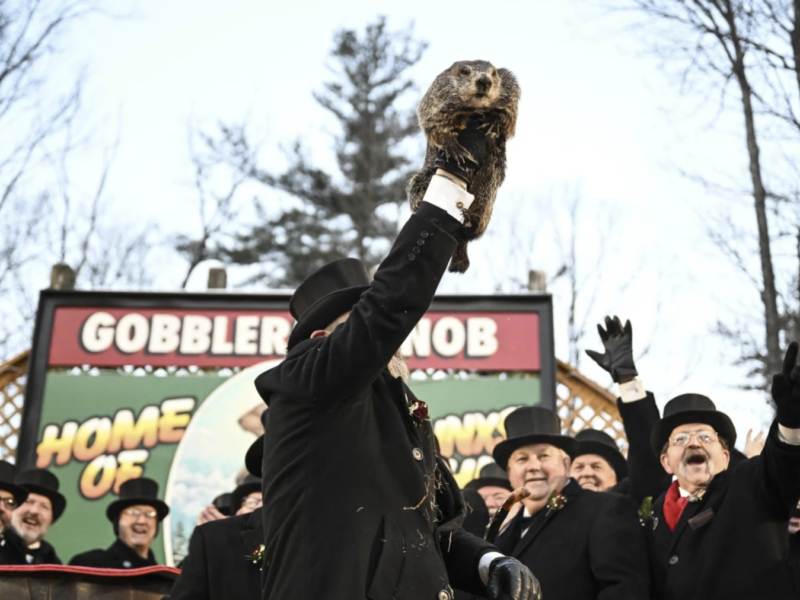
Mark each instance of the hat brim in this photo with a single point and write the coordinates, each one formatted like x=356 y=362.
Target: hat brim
x=19 y=493
x=324 y=312
x=58 y=501
x=240 y=493
x=614 y=457
x=721 y=423
x=502 y=452
x=482 y=482
x=116 y=507
x=255 y=456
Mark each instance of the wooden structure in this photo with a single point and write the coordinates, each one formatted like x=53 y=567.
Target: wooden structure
x=583 y=404
x=12 y=393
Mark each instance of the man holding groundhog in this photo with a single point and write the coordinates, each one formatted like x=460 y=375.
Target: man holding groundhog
x=357 y=503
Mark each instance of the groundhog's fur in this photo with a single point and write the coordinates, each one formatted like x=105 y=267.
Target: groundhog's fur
x=465 y=89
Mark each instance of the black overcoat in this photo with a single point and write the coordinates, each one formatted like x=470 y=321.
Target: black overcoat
x=14 y=551
x=356 y=502
x=217 y=566
x=593 y=548
x=117 y=556
x=732 y=544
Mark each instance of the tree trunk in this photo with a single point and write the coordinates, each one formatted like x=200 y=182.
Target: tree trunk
x=768 y=293
x=796 y=41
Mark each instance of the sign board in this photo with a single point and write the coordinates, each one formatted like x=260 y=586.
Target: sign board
x=125 y=385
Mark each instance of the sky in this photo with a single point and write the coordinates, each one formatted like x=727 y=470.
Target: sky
x=600 y=116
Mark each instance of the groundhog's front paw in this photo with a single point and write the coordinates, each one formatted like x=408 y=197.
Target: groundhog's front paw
x=455 y=151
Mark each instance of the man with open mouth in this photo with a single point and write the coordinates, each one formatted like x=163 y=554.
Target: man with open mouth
x=715 y=532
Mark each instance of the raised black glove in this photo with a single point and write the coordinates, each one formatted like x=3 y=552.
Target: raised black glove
x=509 y=578
x=476 y=142
x=786 y=390
x=618 y=343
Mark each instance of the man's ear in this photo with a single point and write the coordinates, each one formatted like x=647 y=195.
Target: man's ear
x=319 y=333
x=665 y=464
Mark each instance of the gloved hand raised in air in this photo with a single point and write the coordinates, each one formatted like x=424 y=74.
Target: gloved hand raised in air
x=476 y=142
x=786 y=390
x=618 y=344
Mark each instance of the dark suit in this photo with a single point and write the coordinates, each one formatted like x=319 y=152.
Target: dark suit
x=733 y=543
x=118 y=556
x=356 y=502
x=217 y=567
x=592 y=549
x=14 y=551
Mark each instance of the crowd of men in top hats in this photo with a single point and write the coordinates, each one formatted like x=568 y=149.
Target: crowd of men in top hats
x=356 y=501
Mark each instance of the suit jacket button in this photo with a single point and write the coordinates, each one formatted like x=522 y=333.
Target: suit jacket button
x=424 y=234
x=420 y=242
x=417 y=453
x=444 y=595
x=416 y=250
x=412 y=257
x=673 y=560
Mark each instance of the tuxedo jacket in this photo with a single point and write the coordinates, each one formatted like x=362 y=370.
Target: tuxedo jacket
x=733 y=543
x=218 y=566
x=357 y=504
x=13 y=551
x=593 y=548
x=118 y=556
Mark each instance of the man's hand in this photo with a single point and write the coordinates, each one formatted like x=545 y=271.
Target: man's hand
x=754 y=445
x=618 y=343
x=509 y=578
x=210 y=513
x=786 y=390
x=476 y=142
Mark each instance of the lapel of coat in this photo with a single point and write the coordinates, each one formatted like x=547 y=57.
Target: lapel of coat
x=253 y=532
x=693 y=508
x=571 y=491
x=401 y=394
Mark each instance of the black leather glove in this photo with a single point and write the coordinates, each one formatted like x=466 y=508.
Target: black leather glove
x=509 y=578
x=786 y=390
x=618 y=343
x=475 y=141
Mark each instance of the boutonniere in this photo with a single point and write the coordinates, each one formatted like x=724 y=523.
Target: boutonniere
x=556 y=502
x=698 y=495
x=257 y=555
x=418 y=411
x=645 y=511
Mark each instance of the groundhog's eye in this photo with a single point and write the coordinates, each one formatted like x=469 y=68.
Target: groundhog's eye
x=465 y=70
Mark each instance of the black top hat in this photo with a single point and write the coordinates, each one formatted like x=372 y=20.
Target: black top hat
x=491 y=474
x=137 y=491
x=532 y=425
x=249 y=484
x=44 y=483
x=691 y=408
x=255 y=453
x=7 y=483
x=223 y=503
x=326 y=294
x=592 y=441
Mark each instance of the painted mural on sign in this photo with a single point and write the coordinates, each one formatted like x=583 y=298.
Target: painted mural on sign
x=162 y=387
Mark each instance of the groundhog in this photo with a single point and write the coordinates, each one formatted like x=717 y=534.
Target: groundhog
x=465 y=89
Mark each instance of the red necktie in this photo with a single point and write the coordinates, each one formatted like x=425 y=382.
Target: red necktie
x=674 y=504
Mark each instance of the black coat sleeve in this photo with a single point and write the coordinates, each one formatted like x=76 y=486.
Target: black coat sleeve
x=775 y=481
x=646 y=476
x=618 y=554
x=192 y=584
x=329 y=369
x=462 y=554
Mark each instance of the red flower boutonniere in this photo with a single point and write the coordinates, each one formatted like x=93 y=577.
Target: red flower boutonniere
x=418 y=411
x=556 y=502
x=257 y=555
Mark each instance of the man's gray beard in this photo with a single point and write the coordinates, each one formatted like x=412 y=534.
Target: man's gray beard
x=398 y=367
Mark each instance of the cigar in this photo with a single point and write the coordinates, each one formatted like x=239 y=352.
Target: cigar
x=493 y=528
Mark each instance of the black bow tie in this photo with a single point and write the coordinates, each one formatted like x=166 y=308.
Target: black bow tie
x=524 y=523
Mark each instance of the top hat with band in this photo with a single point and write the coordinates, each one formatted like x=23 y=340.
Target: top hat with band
x=140 y=491
x=491 y=475
x=325 y=295
x=592 y=441
x=44 y=483
x=7 y=483
x=532 y=425
x=691 y=408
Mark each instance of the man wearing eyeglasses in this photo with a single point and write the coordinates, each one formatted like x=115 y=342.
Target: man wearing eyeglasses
x=135 y=516
x=714 y=533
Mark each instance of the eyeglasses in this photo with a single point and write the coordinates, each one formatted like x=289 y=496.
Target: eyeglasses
x=252 y=503
x=136 y=513
x=703 y=436
x=9 y=502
